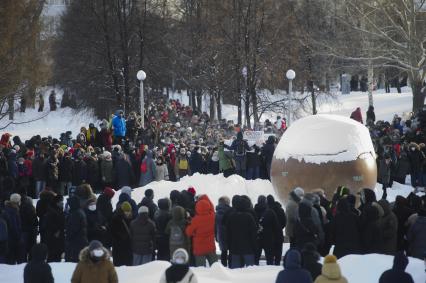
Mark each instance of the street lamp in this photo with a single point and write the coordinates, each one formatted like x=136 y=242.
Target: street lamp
x=141 y=75
x=291 y=75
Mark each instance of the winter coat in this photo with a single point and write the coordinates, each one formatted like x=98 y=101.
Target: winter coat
x=179 y=220
x=331 y=274
x=384 y=174
x=220 y=229
x=270 y=232
x=253 y=159
x=75 y=230
x=142 y=231
x=416 y=159
x=225 y=161
x=37 y=270
x=241 y=144
x=119 y=125
x=241 y=230
x=106 y=138
x=148 y=176
x=39 y=169
x=54 y=225
x=188 y=278
x=12 y=164
x=416 y=237
x=52 y=172
x=161 y=218
x=125 y=197
x=345 y=231
x=292 y=213
x=397 y=274
x=268 y=151
x=402 y=167
x=311 y=264
x=371 y=117
x=29 y=223
x=152 y=207
x=96 y=226
x=107 y=171
x=13 y=220
x=201 y=228
x=79 y=173
x=104 y=207
x=66 y=167
x=371 y=233
x=293 y=271
x=123 y=171
x=161 y=173
x=93 y=173
x=196 y=163
x=402 y=212
x=87 y=271
x=121 y=239
x=305 y=230
x=389 y=228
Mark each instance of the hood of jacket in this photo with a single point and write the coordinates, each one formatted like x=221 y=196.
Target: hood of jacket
x=74 y=203
x=204 y=206
x=331 y=271
x=85 y=255
x=178 y=213
x=293 y=260
x=164 y=204
x=39 y=253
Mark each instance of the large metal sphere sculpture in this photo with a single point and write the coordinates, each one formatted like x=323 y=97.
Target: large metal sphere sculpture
x=324 y=151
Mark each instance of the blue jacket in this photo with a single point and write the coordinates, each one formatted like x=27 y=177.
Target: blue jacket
x=293 y=271
x=119 y=125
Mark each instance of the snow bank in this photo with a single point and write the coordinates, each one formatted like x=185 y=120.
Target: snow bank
x=356 y=268
x=324 y=138
x=214 y=186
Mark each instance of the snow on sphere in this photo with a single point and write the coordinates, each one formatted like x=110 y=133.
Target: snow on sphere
x=324 y=151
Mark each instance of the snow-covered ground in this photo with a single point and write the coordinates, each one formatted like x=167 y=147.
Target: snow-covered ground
x=356 y=268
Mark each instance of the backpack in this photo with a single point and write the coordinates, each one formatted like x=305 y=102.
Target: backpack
x=241 y=149
x=144 y=166
x=177 y=238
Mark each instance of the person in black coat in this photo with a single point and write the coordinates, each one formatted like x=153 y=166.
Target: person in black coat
x=389 y=227
x=79 y=173
x=66 y=165
x=310 y=260
x=37 y=270
x=222 y=209
x=29 y=224
x=53 y=227
x=148 y=201
x=402 y=211
x=241 y=230
x=345 y=230
x=253 y=163
x=293 y=271
x=269 y=235
x=96 y=224
x=371 y=117
x=124 y=175
x=93 y=173
x=121 y=237
x=305 y=230
x=397 y=274
x=196 y=161
x=279 y=235
x=75 y=230
x=371 y=233
x=161 y=217
x=268 y=153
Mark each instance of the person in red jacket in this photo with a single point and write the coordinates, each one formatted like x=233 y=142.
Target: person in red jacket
x=357 y=116
x=201 y=230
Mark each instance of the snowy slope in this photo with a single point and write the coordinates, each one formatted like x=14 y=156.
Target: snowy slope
x=356 y=268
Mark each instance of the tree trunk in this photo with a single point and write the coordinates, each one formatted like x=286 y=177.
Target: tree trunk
x=418 y=95
x=200 y=101
x=11 y=108
x=193 y=100
x=212 y=106
x=219 y=106
x=370 y=83
x=313 y=98
x=247 y=108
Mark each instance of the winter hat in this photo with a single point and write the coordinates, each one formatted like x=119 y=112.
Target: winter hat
x=299 y=192
x=109 y=192
x=107 y=155
x=330 y=259
x=192 y=191
x=126 y=190
x=15 y=198
x=180 y=256
x=126 y=207
x=21 y=160
x=149 y=193
x=143 y=209
x=94 y=245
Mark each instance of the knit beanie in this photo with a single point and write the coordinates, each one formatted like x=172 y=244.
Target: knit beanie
x=192 y=191
x=330 y=259
x=143 y=209
x=15 y=198
x=299 y=192
x=109 y=192
x=126 y=207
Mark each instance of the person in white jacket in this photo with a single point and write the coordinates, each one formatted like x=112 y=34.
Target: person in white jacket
x=179 y=271
x=161 y=171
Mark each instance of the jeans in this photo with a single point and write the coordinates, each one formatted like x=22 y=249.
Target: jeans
x=64 y=188
x=40 y=185
x=201 y=259
x=253 y=173
x=141 y=259
x=239 y=261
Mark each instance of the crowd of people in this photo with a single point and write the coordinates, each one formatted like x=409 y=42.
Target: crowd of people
x=75 y=178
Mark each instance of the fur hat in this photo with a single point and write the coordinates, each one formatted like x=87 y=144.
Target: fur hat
x=15 y=198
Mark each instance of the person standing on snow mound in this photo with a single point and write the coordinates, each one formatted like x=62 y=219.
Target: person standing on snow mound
x=179 y=271
x=240 y=148
x=94 y=266
x=357 y=115
x=119 y=127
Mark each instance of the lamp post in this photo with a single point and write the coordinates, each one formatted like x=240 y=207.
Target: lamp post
x=141 y=75
x=291 y=75
x=243 y=107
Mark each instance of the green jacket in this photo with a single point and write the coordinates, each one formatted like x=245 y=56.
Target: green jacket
x=225 y=161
